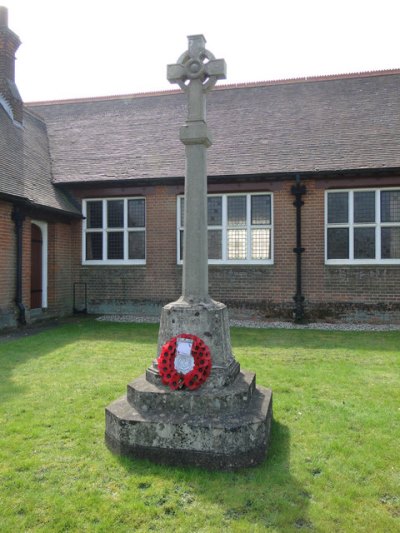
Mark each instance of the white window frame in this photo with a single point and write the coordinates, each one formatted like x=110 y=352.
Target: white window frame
x=224 y=228
x=351 y=225
x=45 y=254
x=105 y=230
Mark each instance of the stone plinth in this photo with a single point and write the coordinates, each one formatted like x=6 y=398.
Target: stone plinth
x=223 y=425
x=152 y=397
x=224 y=428
x=210 y=322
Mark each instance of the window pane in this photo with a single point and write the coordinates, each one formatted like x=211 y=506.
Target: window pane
x=390 y=243
x=137 y=245
x=390 y=206
x=261 y=209
x=94 y=246
x=94 y=213
x=237 y=244
x=136 y=213
x=214 y=244
x=181 y=245
x=115 y=245
x=364 y=243
x=364 y=206
x=338 y=243
x=338 y=207
x=182 y=209
x=236 y=210
x=214 y=204
x=260 y=243
x=115 y=213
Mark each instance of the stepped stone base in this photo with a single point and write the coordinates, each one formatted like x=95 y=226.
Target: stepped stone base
x=223 y=425
x=223 y=428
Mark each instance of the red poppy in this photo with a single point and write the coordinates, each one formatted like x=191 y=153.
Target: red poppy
x=191 y=380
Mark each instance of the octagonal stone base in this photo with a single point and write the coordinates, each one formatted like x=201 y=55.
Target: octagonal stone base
x=224 y=425
x=225 y=428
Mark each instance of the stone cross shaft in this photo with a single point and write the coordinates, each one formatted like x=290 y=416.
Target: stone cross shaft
x=196 y=72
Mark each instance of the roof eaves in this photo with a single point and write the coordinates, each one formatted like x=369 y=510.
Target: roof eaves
x=267 y=176
x=24 y=201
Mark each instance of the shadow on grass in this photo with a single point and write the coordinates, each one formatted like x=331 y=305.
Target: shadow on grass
x=267 y=496
x=36 y=343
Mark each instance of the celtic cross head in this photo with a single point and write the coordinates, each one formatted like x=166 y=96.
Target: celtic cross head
x=197 y=64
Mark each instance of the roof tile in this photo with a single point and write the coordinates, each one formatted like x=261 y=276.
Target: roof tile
x=330 y=123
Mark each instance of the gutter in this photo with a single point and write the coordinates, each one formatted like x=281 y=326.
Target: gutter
x=24 y=202
x=390 y=172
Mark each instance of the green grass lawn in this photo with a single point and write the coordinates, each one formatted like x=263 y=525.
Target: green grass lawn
x=333 y=463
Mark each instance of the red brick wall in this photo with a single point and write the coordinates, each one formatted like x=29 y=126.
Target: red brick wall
x=113 y=287
x=59 y=269
x=269 y=286
x=328 y=290
x=7 y=266
x=161 y=273
x=330 y=287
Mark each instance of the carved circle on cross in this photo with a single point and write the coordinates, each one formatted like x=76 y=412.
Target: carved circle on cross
x=196 y=68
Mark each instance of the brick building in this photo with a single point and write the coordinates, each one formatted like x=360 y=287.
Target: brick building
x=103 y=180
x=36 y=218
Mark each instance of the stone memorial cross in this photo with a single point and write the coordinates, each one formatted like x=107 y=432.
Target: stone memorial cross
x=196 y=72
x=225 y=424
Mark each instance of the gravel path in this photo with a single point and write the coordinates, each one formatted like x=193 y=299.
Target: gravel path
x=327 y=326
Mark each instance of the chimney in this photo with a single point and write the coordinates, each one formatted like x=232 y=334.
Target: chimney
x=9 y=44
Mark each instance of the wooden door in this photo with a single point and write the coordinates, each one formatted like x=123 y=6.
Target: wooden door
x=36 y=267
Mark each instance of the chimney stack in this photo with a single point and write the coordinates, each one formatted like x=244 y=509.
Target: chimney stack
x=3 y=17
x=9 y=44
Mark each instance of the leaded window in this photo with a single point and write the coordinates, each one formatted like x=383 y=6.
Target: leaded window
x=362 y=226
x=239 y=228
x=114 y=231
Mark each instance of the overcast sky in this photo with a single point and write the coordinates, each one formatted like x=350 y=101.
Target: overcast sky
x=79 y=48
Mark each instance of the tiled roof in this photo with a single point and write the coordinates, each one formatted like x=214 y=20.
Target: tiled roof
x=318 y=124
x=25 y=171
x=11 y=159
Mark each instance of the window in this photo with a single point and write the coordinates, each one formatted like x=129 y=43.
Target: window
x=114 y=231
x=362 y=226
x=239 y=228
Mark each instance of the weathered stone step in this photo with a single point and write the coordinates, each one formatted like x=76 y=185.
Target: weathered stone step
x=151 y=397
x=210 y=440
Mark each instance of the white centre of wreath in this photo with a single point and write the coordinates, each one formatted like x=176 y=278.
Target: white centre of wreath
x=184 y=362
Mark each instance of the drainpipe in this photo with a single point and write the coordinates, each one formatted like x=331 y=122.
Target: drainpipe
x=298 y=190
x=18 y=218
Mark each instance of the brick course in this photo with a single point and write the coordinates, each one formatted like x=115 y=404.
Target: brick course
x=329 y=291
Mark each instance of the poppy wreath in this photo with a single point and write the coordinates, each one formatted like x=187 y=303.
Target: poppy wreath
x=193 y=379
